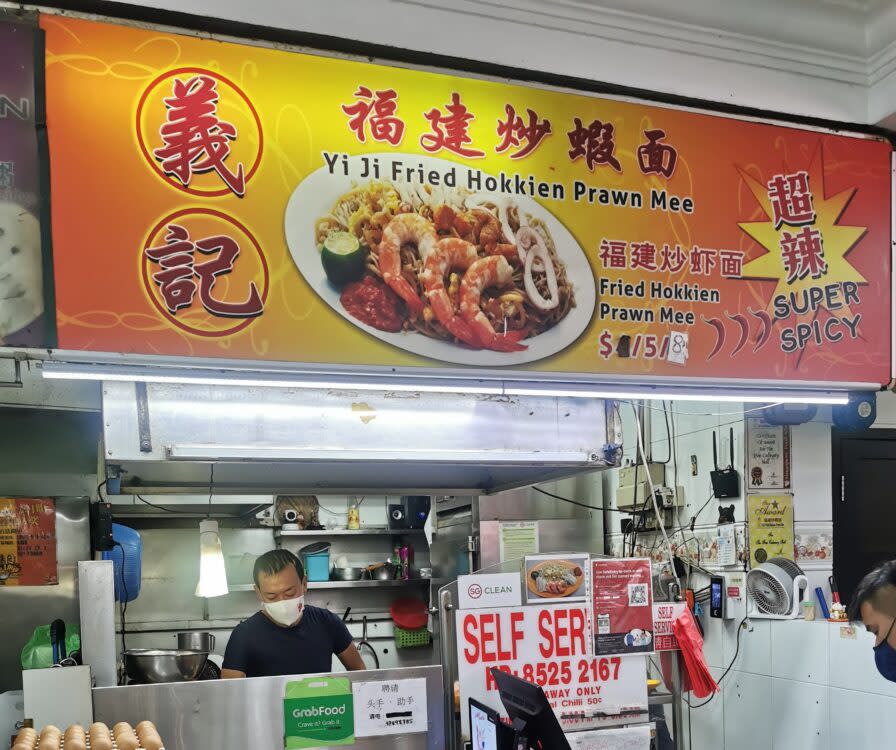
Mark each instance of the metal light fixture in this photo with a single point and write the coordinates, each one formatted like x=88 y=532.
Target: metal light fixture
x=212 y=575
x=485 y=385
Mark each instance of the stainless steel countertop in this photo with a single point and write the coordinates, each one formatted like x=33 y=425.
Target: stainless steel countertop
x=248 y=713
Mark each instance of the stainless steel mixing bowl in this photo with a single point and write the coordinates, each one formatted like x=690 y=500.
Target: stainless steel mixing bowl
x=155 y=665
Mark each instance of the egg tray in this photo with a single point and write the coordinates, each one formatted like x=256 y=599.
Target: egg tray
x=87 y=741
x=86 y=744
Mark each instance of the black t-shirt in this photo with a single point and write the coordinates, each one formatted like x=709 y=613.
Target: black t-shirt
x=260 y=648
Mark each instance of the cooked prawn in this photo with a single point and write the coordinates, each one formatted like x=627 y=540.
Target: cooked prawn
x=489 y=228
x=464 y=224
x=443 y=217
x=404 y=229
x=491 y=236
x=493 y=271
x=450 y=253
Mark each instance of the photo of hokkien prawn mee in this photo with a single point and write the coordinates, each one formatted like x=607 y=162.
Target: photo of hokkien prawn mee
x=468 y=268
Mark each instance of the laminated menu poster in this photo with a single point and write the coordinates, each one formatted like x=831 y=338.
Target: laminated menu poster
x=623 y=606
x=27 y=542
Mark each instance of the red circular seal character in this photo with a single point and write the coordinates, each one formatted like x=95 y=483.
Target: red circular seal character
x=205 y=272
x=199 y=132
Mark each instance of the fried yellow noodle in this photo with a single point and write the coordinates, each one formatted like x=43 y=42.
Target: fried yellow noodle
x=366 y=210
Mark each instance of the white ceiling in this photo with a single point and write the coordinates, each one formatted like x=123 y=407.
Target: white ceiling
x=834 y=59
x=836 y=25
x=858 y=28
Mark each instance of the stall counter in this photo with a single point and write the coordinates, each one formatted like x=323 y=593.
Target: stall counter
x=249 y=713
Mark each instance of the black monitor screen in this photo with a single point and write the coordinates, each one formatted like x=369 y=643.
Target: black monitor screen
x=527 y=702
x=716 y=595
x=483 y=727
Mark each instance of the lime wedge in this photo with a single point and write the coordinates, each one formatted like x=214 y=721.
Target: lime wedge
x=341 y=243
x=343 y=258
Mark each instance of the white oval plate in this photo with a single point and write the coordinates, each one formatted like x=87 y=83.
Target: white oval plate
x=315 y=196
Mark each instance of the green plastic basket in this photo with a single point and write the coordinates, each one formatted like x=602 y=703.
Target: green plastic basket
x=411 y=638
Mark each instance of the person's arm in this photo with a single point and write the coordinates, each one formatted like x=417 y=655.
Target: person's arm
x=344 y=647
x=236 y=656
x=351 y=659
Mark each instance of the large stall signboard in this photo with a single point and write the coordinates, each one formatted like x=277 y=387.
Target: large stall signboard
x=550 y=646
x=22 y=321
x=238 y=202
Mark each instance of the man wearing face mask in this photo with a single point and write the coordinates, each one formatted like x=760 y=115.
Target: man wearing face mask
x=287 y=636
x=875 y=604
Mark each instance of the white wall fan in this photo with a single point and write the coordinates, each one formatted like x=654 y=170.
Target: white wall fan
x=776 y=589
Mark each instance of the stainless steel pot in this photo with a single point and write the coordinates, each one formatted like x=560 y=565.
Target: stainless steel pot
x=196 y=641
x=348 y=574
x=382 y=572
x=154 y=665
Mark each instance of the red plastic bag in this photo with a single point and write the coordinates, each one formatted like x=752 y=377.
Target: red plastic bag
x=696 y=676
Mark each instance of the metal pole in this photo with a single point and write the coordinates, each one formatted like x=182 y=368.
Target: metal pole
x=675 y=689
x=446 y=643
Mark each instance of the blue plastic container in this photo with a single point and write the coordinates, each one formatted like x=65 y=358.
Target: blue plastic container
x=317 y=565
x=128 y=550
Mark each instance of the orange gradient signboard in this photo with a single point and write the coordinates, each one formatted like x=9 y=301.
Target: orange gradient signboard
x=229 y=201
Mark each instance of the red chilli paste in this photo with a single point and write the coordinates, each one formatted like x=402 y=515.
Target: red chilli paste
x=374 y=303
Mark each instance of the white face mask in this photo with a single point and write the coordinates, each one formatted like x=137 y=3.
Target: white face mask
x=286 y=612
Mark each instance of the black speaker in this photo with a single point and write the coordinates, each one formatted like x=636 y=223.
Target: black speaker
x=398 y=518
x=416 y=509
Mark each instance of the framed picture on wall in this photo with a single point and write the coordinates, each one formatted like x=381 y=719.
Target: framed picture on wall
x=768 y=456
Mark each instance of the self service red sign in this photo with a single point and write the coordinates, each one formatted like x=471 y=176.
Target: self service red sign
x=552 y=647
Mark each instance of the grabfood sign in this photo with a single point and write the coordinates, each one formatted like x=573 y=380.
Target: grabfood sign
x=492 y=590
x=322 y=710
x=318 y=712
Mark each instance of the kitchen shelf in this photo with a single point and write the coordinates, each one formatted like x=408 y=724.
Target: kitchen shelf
x=313 y=585
x=349 y=532
x=348 y=584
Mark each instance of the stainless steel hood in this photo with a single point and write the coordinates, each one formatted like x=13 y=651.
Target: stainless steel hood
x=179 y=438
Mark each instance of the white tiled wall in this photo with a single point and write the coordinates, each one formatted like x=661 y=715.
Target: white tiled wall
x=799 y=685
x=800 y=651
x=794 y=684
x=800 y=716
x=748 y=708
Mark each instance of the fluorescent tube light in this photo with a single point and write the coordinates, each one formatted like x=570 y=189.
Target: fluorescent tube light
x=440 y=384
